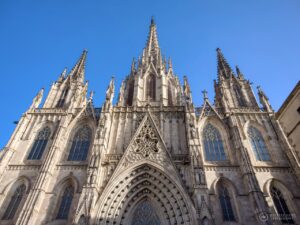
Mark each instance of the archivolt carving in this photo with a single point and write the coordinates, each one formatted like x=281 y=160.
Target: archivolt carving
x=145 y=182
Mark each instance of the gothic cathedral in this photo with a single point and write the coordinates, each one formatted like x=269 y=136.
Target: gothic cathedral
x=153 y=158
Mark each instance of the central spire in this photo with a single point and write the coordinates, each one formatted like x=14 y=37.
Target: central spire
x=152 y=42
x=151 y=51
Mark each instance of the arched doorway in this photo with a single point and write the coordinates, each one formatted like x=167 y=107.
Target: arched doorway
x=145 y=187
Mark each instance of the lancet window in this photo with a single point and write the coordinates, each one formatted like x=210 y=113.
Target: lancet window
x=39 y=144
x=258 y=144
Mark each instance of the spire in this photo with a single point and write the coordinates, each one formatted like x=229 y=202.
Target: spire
x=152 y=51
x=121 y=94
x=224 y=70
x=170 y=63
x=170 y=67
x=62 y=75
x=264 y=100
x=187 y=90
x=37 y=99
x=110 y=93
x=111 y=88
x=77 y=72
x=132 y=67
x=239 y=74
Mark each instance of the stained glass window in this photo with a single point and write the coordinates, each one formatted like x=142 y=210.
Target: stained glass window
x=170 y=98
x=14 y=203
x=130 y=92
x=80 y=144
x=281 y=206
x=63 y=97
x=239 y=97
x=258 y=144
x=225 y=202
x=39 y=144
x=213 y=145
x=65 y=203
x=151 y=86
x=145 y=215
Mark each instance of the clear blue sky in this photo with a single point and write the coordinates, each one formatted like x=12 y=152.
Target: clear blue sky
x=39 y=38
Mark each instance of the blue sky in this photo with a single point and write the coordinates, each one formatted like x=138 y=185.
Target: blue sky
x=39 y=38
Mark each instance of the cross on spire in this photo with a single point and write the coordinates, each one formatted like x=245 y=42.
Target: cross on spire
x=204 y=92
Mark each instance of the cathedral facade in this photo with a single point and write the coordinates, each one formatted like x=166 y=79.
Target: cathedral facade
x=153 y=158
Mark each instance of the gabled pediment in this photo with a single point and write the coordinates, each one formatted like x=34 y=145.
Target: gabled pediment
x=208 y=110
x=145 y=146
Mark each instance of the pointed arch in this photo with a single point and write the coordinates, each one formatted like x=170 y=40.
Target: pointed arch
x=63 y=97
x=238 y=95
x=119 y=202
x=205 y=221
x=258 y=144
x=170 y=96
x=65 y=202
x=226 y=196
x=281 y=199
x=14 y=203
x=15 y=198
x=213 y=144
x=151 y=87
x=39 y=144
x=80 y=144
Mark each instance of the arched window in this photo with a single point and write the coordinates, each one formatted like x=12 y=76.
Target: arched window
x=39 y=145
x=62 y=98
x=258 y=144
x=65 y=203
x=130 y=92
x=225 y=203
x=14 y=203
x=145 y=214
x=213 y=145
x=239 y=97
x=170 y=99
x=80 y=144
x=281 y=206
x=151 y=86
x=205 y=221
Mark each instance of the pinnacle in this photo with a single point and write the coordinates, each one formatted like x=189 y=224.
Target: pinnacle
x=223 y=67
x=78 y=69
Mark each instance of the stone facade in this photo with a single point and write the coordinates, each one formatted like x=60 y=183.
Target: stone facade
x=291 y=109
x=153 y=158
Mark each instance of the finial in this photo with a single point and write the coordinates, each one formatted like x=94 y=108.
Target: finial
x=238 y=72
x=152 y=20
x=170 y=63
x=63 y=74
x=91 y=95
x=133 y=65
x=259 y=88
x=218 y=49
x=204 y=92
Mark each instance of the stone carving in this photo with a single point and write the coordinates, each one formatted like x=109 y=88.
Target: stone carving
x=146 y=145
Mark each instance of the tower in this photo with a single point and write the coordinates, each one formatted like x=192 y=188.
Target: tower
x=151 y=158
